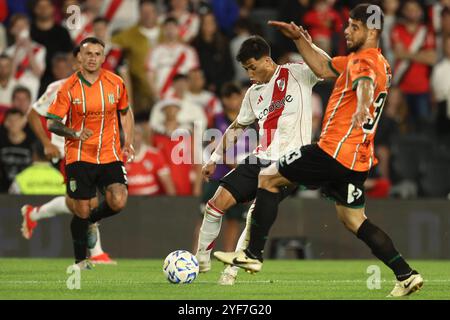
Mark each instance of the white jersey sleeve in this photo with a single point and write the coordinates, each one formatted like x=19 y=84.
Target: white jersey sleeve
x=303 y=73
x=43 y=103
x=246 y=114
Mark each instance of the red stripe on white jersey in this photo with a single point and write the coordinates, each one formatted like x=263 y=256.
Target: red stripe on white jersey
x=271 y=124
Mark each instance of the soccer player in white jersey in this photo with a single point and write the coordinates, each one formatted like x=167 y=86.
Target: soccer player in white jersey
x=280 y=100
x=54 y=149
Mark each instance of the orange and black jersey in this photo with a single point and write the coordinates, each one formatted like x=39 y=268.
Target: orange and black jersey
x=350 y=145
x=93 y=106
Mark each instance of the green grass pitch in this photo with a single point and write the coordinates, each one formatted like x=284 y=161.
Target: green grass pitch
x=279 y=279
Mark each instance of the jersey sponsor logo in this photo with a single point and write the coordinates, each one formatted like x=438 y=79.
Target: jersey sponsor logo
x=353 y=193
x=275 y=105
x=94 y=113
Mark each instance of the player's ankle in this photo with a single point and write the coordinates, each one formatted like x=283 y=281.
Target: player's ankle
x=253 y=256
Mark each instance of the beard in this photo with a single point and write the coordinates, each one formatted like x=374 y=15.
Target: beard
x=355 y=46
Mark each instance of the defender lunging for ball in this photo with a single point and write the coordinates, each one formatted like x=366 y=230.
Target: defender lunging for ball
x=341 y=160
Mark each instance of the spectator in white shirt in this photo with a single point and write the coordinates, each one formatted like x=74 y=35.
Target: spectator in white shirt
x=28 y=56
x=7 y=82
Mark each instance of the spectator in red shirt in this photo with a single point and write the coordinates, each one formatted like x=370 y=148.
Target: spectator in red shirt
x=414 y=43
x=149 y=173
x=176 y=146
x=322 y=23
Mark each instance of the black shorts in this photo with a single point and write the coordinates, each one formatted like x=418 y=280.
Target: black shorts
x=312 y=167
x=83 y=178
x=242 y=182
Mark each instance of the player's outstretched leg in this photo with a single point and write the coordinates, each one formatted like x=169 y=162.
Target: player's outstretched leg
x=408 y=280
x=264 y=214
x=212 y=220
x=31 y=215
x=229 y=274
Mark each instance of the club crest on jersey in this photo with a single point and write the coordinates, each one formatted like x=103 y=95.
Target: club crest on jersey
x=111 y=98
x=73 y=185
x=281 y=83
x=77 y=101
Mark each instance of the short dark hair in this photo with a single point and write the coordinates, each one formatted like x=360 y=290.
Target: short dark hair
x=179 y=76
x=19 y=89
x=254 y=47
x=59 y=56
x=230 y=88
x=76 y=50
x=445 y=11
x=13 y=111
x=363 y=12
x=142 y=2
x=5 y=56
x=170 y=19
x=92 y=40
x=100 y=19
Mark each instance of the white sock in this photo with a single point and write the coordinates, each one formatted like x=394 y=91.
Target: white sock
x=243 y=240
x=209 y=231
x=50 y=209
x=97 y=250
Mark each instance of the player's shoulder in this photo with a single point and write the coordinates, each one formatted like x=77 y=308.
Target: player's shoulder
x=112 y=77
x=295 y=65
x=67 y=83
x=370 y=54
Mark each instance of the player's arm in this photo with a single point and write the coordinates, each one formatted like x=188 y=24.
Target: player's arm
x=315 y=58
x=50 y=150
x=127 y=120
x=229 y=138
x=57 y=127
x=364 y=94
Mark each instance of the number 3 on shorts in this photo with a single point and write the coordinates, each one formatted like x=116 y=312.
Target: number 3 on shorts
x=125 y=174
x=292 y=156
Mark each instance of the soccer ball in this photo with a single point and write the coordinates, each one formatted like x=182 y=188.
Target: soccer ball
x=180 y=266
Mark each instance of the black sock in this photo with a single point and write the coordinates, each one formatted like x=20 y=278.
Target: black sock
x=383 y=248
x=102 y=211
x=263 y=217
x=79 y=229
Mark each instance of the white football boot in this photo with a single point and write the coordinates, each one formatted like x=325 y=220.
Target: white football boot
x=407 y=286
x=239 y=259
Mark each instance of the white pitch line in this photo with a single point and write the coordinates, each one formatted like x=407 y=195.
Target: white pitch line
x=19 y=282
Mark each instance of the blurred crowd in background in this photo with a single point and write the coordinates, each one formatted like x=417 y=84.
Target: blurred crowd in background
x=177 y=60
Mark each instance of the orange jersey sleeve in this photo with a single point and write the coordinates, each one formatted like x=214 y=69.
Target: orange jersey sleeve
x=361 y=67
x=338 y=64
x=122 y=104
x=61 y=105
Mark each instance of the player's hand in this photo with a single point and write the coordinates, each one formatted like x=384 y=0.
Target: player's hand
x=128 y=152
x=290 y=30
x=208 y=169
x=51 y=151
x=85 y=134
x=361 y=117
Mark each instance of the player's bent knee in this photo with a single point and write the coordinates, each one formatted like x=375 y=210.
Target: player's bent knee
x=222 y=199
x=117 y=202
x=82 y=210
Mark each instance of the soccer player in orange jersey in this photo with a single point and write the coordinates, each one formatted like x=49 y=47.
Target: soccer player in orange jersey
x=341 y=160
x=91 y=100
